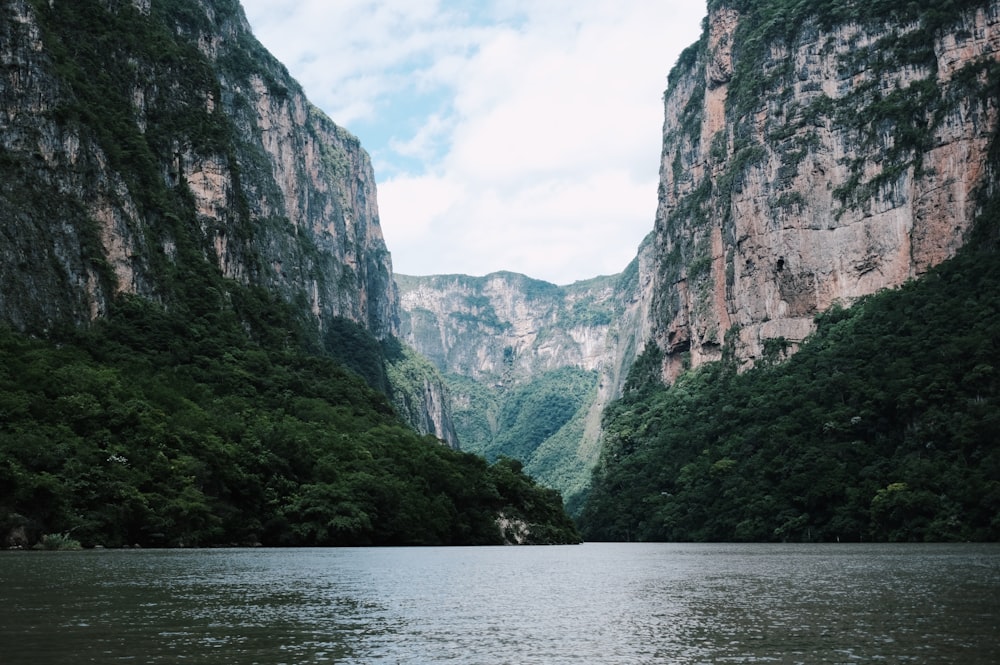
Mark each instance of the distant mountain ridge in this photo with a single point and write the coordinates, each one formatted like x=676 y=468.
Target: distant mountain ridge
x=530 y=365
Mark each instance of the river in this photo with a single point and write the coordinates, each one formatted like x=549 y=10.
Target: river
x=593 y=603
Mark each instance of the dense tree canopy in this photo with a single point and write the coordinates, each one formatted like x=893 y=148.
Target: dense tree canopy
x=539 y=422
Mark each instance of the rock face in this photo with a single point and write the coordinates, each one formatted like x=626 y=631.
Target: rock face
x=812 y=161
x=113 y=110
x=420 y=393
x=144 y=142
x=505 y=326
x=504 y=333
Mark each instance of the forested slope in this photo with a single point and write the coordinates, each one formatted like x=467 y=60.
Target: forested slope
x=160 y=428
x=885 y=425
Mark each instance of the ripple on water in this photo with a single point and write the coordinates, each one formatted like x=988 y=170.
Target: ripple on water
x=595 y=603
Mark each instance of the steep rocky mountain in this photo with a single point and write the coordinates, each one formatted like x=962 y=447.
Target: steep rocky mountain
x=814 y=154
x=167 y=103
x=530 y=365
x=143 y=141
x=824 y=309
x=198 y=320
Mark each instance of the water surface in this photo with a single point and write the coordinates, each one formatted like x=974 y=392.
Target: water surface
x=594 y=603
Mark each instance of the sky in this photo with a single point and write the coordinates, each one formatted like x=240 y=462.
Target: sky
x=519 y=135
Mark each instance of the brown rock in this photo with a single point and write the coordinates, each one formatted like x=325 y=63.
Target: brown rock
x=771 y=212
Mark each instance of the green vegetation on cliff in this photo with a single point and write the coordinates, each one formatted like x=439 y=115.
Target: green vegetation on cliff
x=103 y=56
x=883 y=426
x=539 y=422
x=770 y=18
x=897 y=121
x=536 y=410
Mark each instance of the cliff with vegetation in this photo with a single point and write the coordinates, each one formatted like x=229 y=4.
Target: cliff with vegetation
x=166 y=141
x=198 y=316
x=814 y=154
x=164 y=137
x=824 y=357
x=531 y=365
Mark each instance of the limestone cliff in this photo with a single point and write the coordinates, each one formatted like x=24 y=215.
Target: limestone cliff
x=813 y=155
x=144 y=144
x=136 y=134
x=505 y=343
x=504 y=326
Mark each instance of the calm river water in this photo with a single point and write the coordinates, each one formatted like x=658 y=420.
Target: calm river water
x=593 y=603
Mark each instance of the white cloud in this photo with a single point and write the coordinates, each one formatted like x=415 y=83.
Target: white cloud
x=516 y=135
x=421 y=201
x=423 y=144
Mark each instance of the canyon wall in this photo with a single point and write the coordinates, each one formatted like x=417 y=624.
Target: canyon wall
x=145 y=145
x=809 y=160
x=133 y=132
x=515 y=349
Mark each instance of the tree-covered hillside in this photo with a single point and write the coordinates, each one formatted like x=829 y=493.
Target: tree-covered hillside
x=885 y=425
x=539 y=422
x=169 y=428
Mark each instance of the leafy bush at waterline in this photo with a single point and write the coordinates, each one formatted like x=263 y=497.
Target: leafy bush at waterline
x=57 y=541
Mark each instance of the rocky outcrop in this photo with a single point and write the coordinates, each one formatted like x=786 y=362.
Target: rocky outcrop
x=134 y=136
x=434 y=414
x=514 y=531
x=813 y=165
x=420 y=393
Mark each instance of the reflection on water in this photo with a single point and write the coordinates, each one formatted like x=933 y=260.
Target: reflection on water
x=595 y=603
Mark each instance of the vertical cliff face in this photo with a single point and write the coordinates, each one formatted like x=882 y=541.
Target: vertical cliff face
x=812 y=156
x=141 y=140
x=504 y=328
